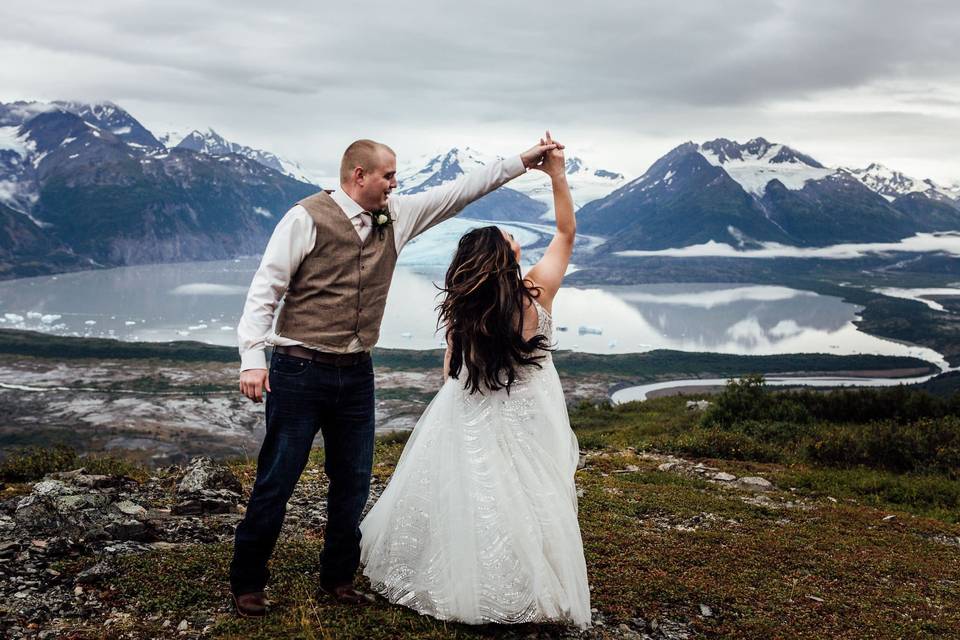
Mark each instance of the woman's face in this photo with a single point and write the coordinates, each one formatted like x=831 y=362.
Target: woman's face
x=514 y=245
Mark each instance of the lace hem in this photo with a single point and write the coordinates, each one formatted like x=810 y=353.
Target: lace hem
x=424 y=605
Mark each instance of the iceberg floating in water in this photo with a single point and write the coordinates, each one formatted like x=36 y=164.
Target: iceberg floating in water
x=585 y=330
x=208 y=289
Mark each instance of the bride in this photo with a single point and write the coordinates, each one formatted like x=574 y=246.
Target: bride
x=479 y=521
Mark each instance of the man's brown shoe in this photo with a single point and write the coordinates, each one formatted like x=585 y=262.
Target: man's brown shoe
x=251 y=605
x=345 y=594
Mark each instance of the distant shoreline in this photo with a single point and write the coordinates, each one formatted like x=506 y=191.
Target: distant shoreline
x=864 y=373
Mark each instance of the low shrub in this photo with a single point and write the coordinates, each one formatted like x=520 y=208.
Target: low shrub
x=31 y=464
x=718 y=443
x=929 y=445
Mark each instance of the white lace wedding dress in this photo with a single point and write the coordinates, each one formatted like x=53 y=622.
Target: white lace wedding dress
x=479 y=521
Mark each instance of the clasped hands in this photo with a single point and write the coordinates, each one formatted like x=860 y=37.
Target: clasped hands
x=546 y=156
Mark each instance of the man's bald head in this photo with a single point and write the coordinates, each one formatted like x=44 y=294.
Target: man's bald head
x=368 y=173
x=366 y=154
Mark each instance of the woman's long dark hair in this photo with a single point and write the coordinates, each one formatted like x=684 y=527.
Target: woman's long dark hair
x=482 y=312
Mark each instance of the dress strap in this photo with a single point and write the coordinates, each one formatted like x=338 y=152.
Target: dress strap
x=540 y=308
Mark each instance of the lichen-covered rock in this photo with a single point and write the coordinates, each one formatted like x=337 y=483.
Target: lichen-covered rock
x=203 y=474
x=95 y=574
x=755 y=483
x=130 y=508
x=207 y=501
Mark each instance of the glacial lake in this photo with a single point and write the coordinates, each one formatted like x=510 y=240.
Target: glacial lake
x=203 y=301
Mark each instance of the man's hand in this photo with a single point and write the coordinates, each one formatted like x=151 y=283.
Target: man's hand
x=253 y=382
x=533 y=156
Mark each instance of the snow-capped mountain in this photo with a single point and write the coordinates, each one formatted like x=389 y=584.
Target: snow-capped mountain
x=212 y=143
x=439 y=168
x=757 y=162
x=893 y=184
x=105 y=116
x=110 y=117
x=746 y=194
x=83 y=185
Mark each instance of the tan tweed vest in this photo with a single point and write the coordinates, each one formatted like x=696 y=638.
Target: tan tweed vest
x=340 y=290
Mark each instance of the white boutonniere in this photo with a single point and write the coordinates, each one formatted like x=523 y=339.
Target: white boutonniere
x=380 y=220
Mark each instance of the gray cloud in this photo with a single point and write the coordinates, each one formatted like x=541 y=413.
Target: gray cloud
x=630 y=78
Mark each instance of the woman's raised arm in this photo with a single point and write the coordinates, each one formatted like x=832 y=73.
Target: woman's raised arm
x=549 y=271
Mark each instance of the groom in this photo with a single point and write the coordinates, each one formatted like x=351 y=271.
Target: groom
x=331 y=259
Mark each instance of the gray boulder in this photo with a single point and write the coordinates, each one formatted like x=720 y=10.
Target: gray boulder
x=755 y=483
x=203 y=474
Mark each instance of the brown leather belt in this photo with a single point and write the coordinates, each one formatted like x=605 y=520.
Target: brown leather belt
x=336 y=359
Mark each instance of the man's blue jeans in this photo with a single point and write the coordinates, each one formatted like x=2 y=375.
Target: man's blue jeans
x=305 y=397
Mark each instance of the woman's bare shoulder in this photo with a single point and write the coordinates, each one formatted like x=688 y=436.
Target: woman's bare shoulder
x=541 y=294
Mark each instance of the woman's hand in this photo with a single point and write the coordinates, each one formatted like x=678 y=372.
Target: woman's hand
x=554 y=164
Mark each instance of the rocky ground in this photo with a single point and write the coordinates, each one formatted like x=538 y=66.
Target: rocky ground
x=676 y=548
x=64 y=543
x=74 y=519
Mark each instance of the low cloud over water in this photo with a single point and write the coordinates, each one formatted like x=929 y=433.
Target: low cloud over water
x=921 y=243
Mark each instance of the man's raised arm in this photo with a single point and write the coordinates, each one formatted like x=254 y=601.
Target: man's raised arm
x=417 y=212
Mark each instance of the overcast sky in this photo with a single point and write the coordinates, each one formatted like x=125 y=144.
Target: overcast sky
x=621 y=83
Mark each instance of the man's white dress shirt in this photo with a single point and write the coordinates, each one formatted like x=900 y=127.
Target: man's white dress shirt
x=296 y=234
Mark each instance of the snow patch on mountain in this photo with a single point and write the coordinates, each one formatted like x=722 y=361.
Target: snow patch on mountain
x=16 y=159
x=892 y=184
x=171 y=137
x=108 y=116
x=20 y=197
x=11 y=140
x=757 y=162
